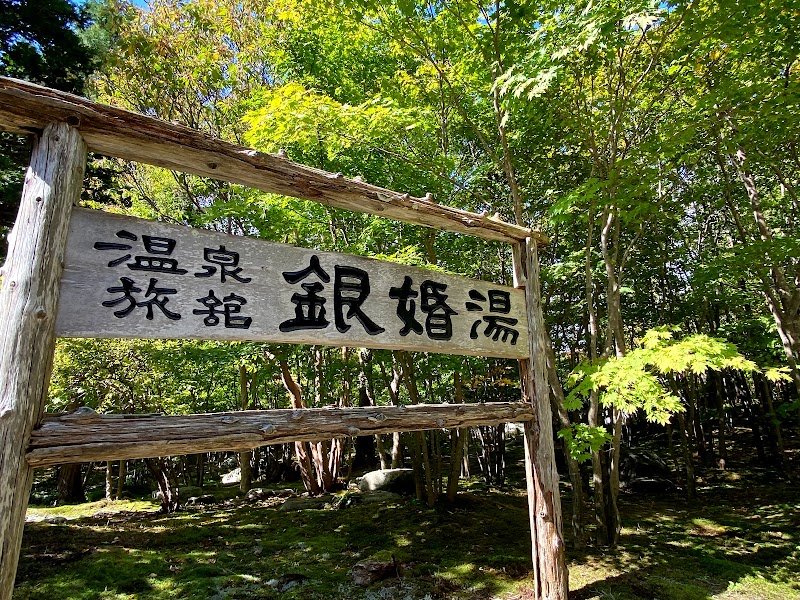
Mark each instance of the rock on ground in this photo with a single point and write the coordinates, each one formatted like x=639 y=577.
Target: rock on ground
x=256 y=494
x=368 y=572
x=398 y=481
x=204 y=499
x=232 y=477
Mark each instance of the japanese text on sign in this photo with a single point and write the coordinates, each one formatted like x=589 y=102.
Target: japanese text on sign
x=127 y=277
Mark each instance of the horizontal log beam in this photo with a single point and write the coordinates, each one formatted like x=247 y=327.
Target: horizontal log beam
x=112 y=131
x=85 y=436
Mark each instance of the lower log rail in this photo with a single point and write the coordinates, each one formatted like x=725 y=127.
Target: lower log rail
x=86 y=436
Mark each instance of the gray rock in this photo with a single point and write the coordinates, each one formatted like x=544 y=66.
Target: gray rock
x=398 y=481
x=642 y=464
x=256 y=494
x=204 y=499
x=232 y=477
x=183 y=492
x=368 y=572
x=650 y=485
x=45 y=519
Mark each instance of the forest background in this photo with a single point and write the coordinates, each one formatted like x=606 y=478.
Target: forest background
x=655 y=143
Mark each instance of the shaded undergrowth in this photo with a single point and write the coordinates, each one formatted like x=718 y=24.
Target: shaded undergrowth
x=739 y=540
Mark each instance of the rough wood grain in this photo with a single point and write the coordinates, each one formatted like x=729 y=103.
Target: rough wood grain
x=28 y=302
x=83 y=437
x=25 y=107
x=551 y=578
x=260 y=282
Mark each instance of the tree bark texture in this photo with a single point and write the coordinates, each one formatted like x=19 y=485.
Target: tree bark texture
x=576 y=481
x=70 y=484
x=782 y=294
x=246 y=457
x=457 y=439
x=123 y=473
x=28 y=306
x=109 y=480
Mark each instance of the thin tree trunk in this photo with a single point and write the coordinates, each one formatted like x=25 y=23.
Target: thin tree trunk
x=613 y=471
x=615 y=345
x=381 y=451
x=576 y=481
x=593 y=416
x=246 y=457
x=416 y=464
x=70 y=484
x=722 y=449
x=160 y=471
x=696 y=430
x=783 y=298
x=109 y=480
x=764 y=392
x=201 y=469
x=123 y=473
x=397 y=451
x=302 y=449
x=457 y=439
x=393 y=387
x=418 y=438
x=430 y=490
x=686 y=449
x=365 y=360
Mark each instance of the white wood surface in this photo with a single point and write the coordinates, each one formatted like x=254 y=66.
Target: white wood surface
x=28 y=300
x=88 y=278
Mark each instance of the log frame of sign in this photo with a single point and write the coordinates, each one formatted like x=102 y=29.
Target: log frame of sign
x=29 y=294
x=85 y=436
x=112 y=131
x=28 y=305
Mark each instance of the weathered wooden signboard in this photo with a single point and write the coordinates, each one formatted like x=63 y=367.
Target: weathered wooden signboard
x=127 y=277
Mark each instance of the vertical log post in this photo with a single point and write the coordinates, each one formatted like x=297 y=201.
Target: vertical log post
x=551 y=579
x=28 y=303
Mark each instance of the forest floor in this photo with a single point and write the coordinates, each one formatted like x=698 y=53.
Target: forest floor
x=739 y=541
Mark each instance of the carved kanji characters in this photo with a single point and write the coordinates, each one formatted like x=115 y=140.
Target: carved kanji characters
x=230 y=306
x=158 y=249
x=350 y=289
x=497 y=327
x=155 y=297
x=226 y=260
x=309 y=308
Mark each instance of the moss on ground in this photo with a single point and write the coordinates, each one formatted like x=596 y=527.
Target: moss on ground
x=735 y=543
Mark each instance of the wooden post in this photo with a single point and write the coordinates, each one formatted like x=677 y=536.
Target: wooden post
x=551 y=579
x=28 y=303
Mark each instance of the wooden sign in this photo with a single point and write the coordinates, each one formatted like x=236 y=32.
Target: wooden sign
x=131 y=278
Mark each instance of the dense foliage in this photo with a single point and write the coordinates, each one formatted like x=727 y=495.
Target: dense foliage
x=655 y=143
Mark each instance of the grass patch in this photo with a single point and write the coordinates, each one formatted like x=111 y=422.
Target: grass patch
x=739 y=541
x=87 y=509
